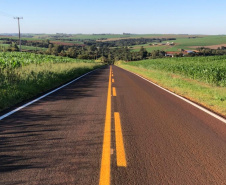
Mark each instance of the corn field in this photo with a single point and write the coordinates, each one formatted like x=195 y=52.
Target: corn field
x=211 y=70
x=24 y=75
x=13 y=60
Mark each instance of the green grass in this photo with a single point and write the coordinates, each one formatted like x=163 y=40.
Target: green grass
x=96 y=37
x=203 y=41
x=4 y=45
x=36 y=74
x=150 y=48
x=167 y=73
x=33 y=48
x=81 y=36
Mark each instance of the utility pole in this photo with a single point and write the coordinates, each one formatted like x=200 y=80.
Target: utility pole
x=18 y=18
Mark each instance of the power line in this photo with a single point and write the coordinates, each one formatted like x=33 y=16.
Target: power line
x=18 y=18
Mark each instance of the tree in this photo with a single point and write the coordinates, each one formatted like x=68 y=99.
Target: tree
x=104 y=59
x=143 y=52
x=71 y=52
x=158 y=54
x=56 y=50
x=13 y=47
x=49 y=50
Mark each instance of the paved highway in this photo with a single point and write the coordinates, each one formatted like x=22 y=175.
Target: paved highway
x=112 y=127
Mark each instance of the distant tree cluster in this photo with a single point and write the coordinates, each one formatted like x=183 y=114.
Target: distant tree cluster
x=12 y=47
x=125 y=42
x=89 y=42
x=104 y=53
x=42 y=43
x=202 y=51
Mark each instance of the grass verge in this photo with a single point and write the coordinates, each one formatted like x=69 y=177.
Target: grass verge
x=209 y=96
x=31 y=80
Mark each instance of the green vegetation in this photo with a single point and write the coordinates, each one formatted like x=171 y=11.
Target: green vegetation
x=5 y=47
x=24 y=75
x=151 y=48
x=201 y=79
x=113 y=47
x=182 y=41
x=207 y=69
x=98 y=36
x=9 y=60
x=202 y=41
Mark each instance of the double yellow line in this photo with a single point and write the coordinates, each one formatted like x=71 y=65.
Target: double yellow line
x=120 y=149
x=105 y=171
x=106 y=152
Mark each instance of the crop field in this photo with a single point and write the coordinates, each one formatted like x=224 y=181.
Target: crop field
x=202 y=40
x=110 y=37
x=211 y=70
x=10 y=60
x=188 y=43
x=24 y=75
x=182 y=42
x=24 y=48
x=151 y=48
x=114 y=37
x=79 y=36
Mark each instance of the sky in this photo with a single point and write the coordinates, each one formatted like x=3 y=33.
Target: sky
x=114 y=16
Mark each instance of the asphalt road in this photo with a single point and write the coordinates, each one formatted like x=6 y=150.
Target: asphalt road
x=105 y=129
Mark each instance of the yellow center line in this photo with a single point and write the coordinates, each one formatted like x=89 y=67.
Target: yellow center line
x=114 y=91
x=112 y=75
x=113 y=80
x=106 y=152
x=120 y=150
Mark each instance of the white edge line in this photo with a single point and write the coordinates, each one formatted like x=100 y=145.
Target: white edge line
x=43 y=96
x=186 y=100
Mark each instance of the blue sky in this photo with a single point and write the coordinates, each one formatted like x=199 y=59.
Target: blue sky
x=114 y=16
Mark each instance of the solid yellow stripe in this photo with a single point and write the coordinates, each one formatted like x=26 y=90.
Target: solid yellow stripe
x=106 y=152
x=120 y=150
x=114 y=91
x=113 y=80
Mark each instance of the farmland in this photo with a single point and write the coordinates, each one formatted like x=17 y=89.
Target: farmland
x=182 y=40
x=9 y=60
x=24 y=75
x=207 y=69
x=185 y=42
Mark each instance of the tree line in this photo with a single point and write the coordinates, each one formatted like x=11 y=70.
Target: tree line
x=110 y=52
x=202 y=51
x=126 y=42
x=105 y=54
x=42 y=43
x=90 y=42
